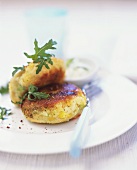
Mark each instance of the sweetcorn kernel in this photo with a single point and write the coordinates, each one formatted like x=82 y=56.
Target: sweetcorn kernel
x=62 y=115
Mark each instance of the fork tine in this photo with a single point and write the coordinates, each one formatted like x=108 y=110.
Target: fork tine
x=92 y=89
x=94 y=92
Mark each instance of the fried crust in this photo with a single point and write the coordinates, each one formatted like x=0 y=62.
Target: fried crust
x=65 y=102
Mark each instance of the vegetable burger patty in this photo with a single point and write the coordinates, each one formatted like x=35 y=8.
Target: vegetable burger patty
x=20 y=82
x=65 y=102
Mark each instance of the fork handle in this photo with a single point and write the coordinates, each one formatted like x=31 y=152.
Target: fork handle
x=80 y=133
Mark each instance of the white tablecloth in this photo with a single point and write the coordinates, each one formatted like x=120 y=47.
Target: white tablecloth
x=94 y=29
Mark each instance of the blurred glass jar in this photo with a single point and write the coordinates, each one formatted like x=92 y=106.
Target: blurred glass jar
x=45 y=24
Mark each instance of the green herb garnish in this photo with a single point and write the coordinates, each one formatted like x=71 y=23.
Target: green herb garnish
x=4 y=89
x=4 y=112
x=69 y=61
x=16 y=69
x=33 y=95
x=41 y=56
x=84 y=68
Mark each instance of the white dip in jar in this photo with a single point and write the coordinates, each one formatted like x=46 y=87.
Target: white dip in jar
x=80 y=70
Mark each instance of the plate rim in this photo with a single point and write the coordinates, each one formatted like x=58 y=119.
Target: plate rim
x=68 y=134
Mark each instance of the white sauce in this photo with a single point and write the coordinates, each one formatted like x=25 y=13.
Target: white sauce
x=77 y=69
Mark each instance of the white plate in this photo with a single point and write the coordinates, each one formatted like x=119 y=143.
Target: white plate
x=115 y=112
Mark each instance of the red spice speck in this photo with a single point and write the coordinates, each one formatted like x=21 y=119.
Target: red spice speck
x=8 y=127
x=21 y=120
x=19 y=127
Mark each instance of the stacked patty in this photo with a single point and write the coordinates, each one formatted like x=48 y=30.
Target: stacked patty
x=20 y=82
x=65 y=100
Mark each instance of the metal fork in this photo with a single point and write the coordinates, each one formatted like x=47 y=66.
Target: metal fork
x=80 y=134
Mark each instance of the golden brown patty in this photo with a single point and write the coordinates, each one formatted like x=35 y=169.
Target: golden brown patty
x=19 y=84
x=65 y=102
